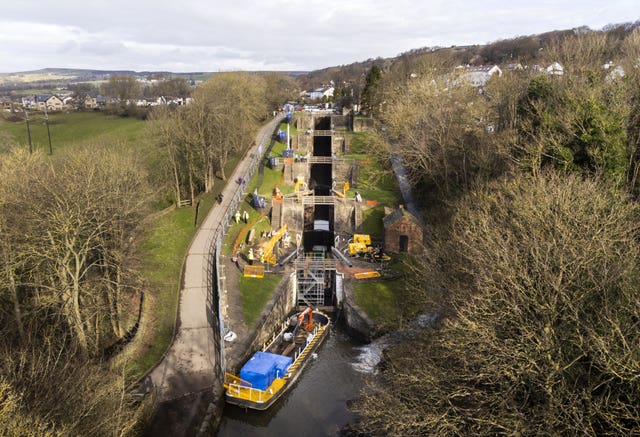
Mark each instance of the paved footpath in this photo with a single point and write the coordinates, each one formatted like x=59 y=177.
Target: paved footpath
x=188 y=365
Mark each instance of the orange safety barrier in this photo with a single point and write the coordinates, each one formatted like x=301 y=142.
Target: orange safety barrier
x=253 y=271
x=366 y=275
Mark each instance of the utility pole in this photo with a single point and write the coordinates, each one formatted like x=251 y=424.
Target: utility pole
x=46 y=120
x=28 y=132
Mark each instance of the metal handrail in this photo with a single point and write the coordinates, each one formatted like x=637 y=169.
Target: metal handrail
x=213 y=277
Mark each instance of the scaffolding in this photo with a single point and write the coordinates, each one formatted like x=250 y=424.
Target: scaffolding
x=312 y=274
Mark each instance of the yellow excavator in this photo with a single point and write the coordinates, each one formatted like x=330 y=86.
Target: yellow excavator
x=269 y=255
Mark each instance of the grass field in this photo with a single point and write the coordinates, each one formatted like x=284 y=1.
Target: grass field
x=255 y=295
x=75 y=129
x=382 y=301
x=164 y=246
x=376 y=182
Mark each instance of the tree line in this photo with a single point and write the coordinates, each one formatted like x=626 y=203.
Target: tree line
x=220 y=122
x=532 y=254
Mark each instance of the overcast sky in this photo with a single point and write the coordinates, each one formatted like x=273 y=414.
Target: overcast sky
x=206 y=35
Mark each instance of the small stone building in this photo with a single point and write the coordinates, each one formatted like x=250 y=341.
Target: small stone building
x=402 y=232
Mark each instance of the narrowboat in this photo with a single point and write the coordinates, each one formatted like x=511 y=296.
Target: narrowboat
x=273 y=370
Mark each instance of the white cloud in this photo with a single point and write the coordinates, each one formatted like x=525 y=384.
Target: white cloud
x=272 y=34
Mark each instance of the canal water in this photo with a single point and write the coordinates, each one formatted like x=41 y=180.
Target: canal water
x=317 y=404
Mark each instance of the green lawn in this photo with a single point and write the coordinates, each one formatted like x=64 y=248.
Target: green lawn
x=375 y=183
x=382 y=301
x=75 y=129
x=277 y=148
x=237 y=232
x=163 y=250
x=372 y=222
x=255 y=295
x=292 y=128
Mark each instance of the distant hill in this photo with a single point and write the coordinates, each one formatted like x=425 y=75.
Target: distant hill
x=52 y=78
x=60 y=76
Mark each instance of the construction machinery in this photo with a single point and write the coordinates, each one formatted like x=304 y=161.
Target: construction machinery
x=300 y=184
x=360 y=244
x=269 y=246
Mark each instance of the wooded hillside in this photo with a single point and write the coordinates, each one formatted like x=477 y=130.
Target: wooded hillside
x=529 y=186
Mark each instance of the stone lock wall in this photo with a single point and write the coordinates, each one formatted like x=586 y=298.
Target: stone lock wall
x=343 y=223
x=280 y=306
x=362 y=124
x=346 y=171
x=341 y=122
x=293 y=215
x=304 y=121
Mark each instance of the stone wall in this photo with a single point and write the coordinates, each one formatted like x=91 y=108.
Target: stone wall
x=338 y=144
x=280 y=306
x=341 y=122
x=302 y=143
x=346 y=171
x=304 y=121
x=362 y=124
x=293 y=215
x=357 y=322
x=343 y=217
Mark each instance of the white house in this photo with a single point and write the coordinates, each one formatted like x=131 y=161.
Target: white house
x=555 y=69
x=479 y=76
x=320 y=93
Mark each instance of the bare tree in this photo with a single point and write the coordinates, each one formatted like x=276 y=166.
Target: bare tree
x=439 y=131
x=122 y=88
x=224 y=118
x=540 y=276
x=279 y=88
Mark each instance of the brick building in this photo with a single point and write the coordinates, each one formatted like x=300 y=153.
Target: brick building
x=402 y=232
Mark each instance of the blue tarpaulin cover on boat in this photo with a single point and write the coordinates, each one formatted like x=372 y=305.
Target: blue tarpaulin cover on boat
x=282 y=364
x=263 y=368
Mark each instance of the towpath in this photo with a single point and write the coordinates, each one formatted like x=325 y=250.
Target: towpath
x=188 y=366
x=405 y=187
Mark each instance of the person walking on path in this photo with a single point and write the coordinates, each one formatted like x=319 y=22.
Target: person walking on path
x=245 y=216
x=237 y=216
x=250 y=256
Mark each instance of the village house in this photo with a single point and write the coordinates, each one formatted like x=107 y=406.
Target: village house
x=555 y=69
x=7 y=104
x=91 y=102
x=480 y=75
x=402 y=232
x=49 y=102
x=320 y=93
